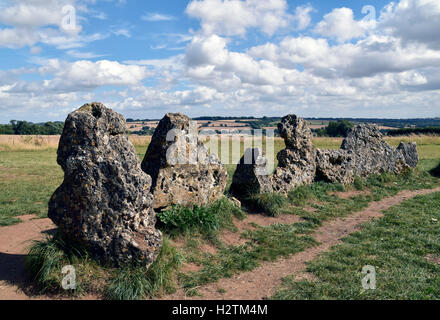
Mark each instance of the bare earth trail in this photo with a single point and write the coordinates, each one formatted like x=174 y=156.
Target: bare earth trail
x=254 y=285
x=263 y=282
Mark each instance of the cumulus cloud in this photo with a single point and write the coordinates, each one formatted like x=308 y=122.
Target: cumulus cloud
x=340 y=24
x=413 y=21
x=234 y=17
x=53 y=22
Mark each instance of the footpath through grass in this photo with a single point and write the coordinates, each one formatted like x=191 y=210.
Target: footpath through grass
x=404 y=248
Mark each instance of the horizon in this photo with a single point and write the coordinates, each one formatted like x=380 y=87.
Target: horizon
x=243 y=117
x=318 y=59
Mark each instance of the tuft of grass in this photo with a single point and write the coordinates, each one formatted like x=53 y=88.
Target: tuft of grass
x=301 y=195
x=46 y=259
x=399 y=246
x=272 y=204
x=136 y=283
x=205 y=220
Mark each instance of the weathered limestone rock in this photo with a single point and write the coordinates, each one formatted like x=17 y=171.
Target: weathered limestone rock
x=181 y=169
x=104 y=201
x=409 y=151
x=296 y=163
x=334 y=166
x=251 y=175
x=363 y=152
x=371 y=154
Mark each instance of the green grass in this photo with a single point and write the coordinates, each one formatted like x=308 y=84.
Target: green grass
x=27 y=181
x=136 y=283
x=207 y=220
x=46 y=259
x=399 y=246
x=271 y=204
x=264 y=244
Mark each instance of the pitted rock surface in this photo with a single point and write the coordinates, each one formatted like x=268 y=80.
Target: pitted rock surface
x=334 y=166
x=363 y=152
x=371 y=154
x=104 y=202
x=182 y=171
x=296 y=163
x=409 y=151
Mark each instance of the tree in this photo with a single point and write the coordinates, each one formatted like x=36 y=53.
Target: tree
x=338 y=128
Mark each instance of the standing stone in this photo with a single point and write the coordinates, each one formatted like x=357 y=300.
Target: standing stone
x=371 y=154
x=251 y=175
x=182 y=171
x=296 y=163
x=104 y=202
x=409 y=151
x=363 y=152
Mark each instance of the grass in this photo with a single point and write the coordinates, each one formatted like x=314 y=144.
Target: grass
x=272 y=204
x=275 y=241
x=140 y=283
x=46 y=259
x=29 y=173
x=265 y=244
x=207 y=221
x=29 y=176
x=403 y=247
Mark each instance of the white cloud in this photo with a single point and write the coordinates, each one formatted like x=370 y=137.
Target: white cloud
x=413 y=21
x=17 y=38
x=84 y=75
x=302 y=17
x=155 y=17
x=341 y=25
x=234 y=17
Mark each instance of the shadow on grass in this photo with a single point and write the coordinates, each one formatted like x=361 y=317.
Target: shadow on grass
x=435 y=172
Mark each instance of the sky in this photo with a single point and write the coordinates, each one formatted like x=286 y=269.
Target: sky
x=365 y=59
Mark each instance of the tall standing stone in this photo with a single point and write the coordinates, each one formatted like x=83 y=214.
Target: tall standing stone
x=296 y=163
x=104 y=201
x=182 y=171
x=251 y=175
x=409 y=151
x=371 y=154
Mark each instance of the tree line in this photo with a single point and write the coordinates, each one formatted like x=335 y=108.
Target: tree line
x=29 y=128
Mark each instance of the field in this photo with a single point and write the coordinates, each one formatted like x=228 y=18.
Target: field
x=29 y=173
x=204 y=261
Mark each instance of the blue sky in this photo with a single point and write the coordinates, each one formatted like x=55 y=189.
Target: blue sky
x=220 y=57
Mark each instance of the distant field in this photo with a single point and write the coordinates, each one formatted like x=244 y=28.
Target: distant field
x=29 y=173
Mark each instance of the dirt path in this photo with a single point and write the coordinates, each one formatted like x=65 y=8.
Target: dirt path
x=14 y=242
x=264 y=281
x=257 y=284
